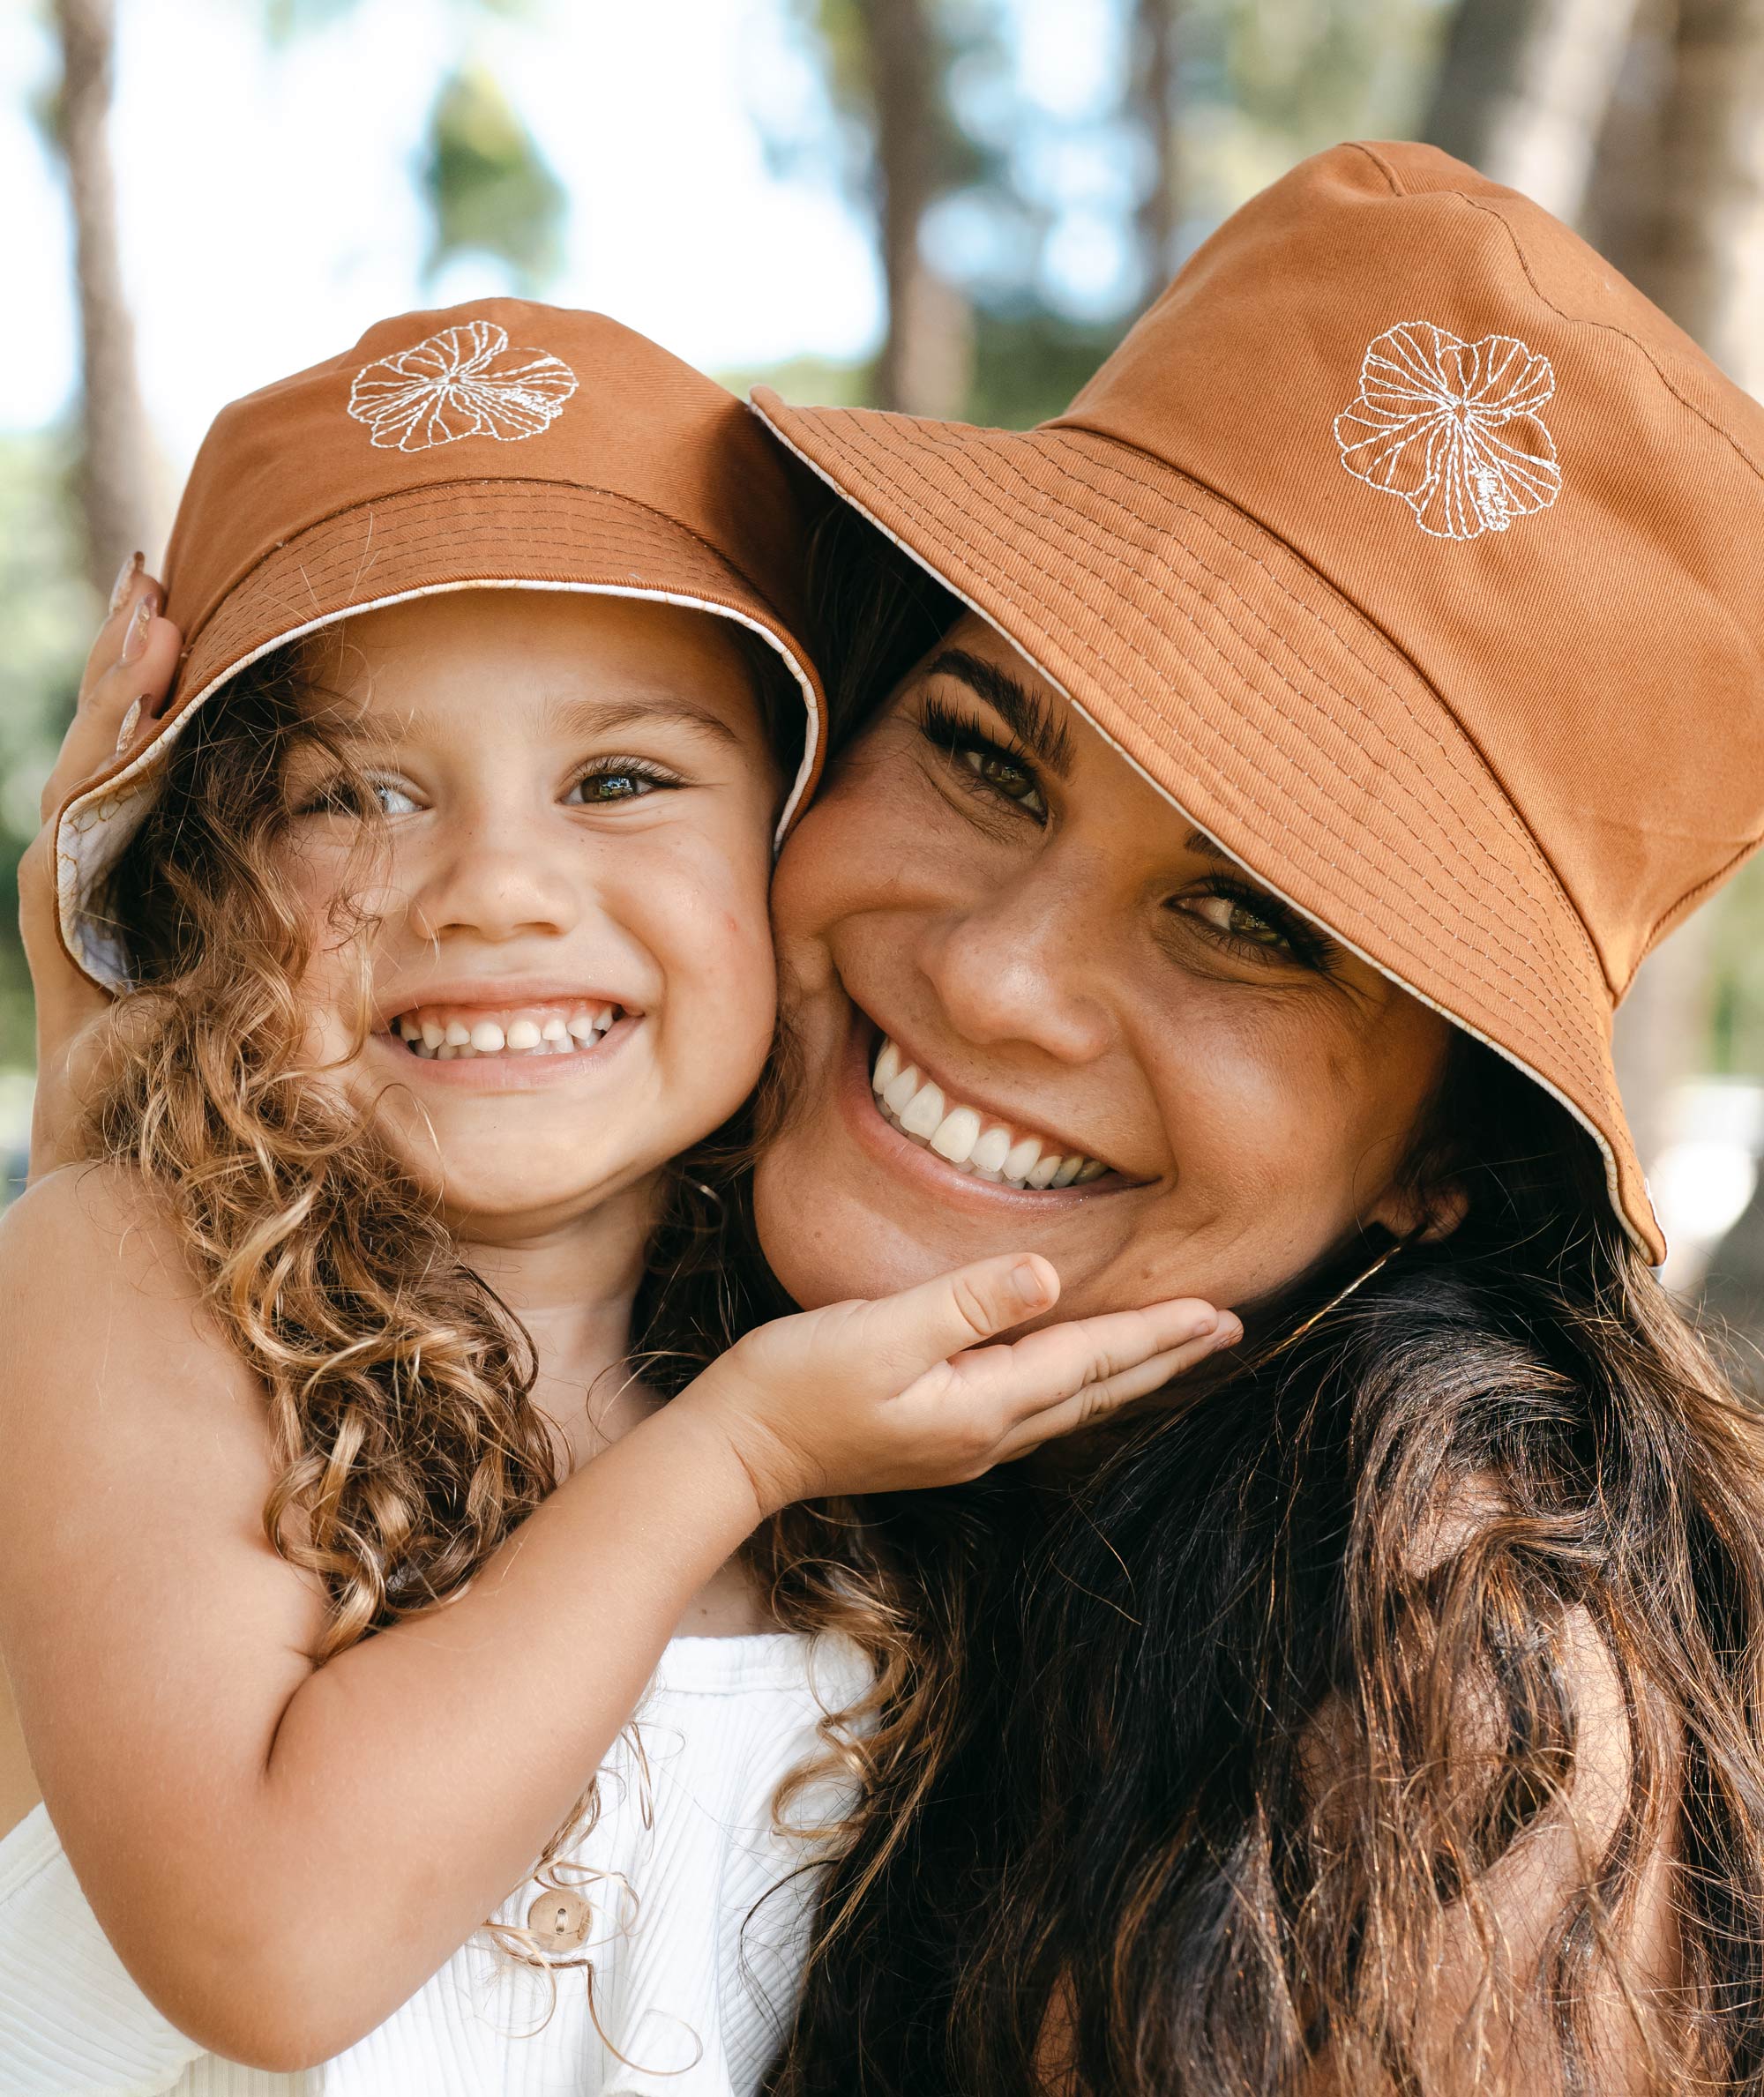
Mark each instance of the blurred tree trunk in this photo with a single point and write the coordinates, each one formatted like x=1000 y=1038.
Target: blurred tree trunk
x=114 y=472
x=1522 y=91
x=926 y=355
x=1151 y=99
x=1699 y=252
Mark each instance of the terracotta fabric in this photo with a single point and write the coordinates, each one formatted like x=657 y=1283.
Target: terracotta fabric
x=499 y=444
x=1415 y=555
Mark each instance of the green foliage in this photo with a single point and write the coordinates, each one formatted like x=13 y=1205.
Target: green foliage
x=489 y=188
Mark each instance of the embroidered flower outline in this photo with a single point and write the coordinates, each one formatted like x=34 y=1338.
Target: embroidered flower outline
x=464 y=382
x=1452 y=428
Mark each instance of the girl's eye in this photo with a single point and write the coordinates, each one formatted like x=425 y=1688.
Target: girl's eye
x=611 y=783
x=988 y=764
x=351 y=796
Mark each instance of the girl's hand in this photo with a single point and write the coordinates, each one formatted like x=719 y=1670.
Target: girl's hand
x=127 y=677
x=896 y=1394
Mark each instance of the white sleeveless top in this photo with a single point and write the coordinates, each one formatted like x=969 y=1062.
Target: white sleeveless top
x=693 y=1985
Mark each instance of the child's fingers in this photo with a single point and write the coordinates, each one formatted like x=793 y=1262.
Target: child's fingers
x=1049 y=1366
x=898 y=1338
x=128 y=674
x=1096 y=1400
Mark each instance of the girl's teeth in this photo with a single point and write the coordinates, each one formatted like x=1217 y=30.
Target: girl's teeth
x=443 y=1040
x=961 y=1134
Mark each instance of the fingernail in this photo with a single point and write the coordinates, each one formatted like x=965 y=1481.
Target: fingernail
x=132 y=720
x=1227 y=1333
x=125 y=576
x=135 y=638
x=1031 y=1283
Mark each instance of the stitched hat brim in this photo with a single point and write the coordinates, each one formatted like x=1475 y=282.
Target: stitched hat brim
x=1265 y=708
x=479 y=534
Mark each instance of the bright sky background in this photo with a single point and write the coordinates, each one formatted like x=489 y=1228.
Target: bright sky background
x=268 y=214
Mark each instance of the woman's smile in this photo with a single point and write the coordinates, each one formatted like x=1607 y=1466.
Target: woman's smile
x=945 y=1140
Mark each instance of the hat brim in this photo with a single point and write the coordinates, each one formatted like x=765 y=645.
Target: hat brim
x=1264 y=706
x=538 y=535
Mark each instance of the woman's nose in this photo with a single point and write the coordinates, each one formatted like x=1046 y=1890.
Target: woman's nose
x=1018 y=963
x=501 y=877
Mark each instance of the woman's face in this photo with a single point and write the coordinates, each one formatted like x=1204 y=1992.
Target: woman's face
x=987 y=899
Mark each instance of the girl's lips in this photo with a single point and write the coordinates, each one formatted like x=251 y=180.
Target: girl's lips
x=504 y=1073
x=922 y=1167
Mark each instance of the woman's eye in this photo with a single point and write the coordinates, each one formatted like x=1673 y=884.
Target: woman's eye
x=1002 y=772
x=596 y=789
x=1235 y=918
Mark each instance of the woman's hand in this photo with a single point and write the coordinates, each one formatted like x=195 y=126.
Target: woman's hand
x=127 y=677
x=896 y=1394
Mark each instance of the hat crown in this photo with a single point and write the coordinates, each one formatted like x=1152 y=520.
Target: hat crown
x=1509 y=462
x=493 y=390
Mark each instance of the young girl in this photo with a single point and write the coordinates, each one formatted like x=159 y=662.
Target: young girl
x=346 y=1524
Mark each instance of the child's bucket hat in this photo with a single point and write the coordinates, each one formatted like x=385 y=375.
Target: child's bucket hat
x=1416 y=557
x=495 y=444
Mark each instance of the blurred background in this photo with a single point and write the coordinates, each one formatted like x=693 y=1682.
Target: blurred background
x=951 y=206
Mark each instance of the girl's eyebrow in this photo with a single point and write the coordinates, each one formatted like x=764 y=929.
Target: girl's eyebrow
x=605 y=717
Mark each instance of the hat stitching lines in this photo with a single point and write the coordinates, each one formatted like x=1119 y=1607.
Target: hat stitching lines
x=1441 y=917
x=1607 y=327
x=1473 y=774
x=435 y=493
x=1622 y=1175
x=1417 y=419
x=444 y=389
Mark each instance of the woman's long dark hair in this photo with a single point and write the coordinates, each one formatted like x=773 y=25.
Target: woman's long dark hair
x=1384 y=1715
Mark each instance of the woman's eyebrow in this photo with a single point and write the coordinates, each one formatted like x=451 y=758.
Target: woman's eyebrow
x=1025 y=714
x=1199 y=842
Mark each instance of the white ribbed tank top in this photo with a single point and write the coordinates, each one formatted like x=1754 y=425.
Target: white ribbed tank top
x=693 y=1984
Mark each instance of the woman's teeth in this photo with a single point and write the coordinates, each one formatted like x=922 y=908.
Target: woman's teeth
x=964 y=1134
x=438 y=1033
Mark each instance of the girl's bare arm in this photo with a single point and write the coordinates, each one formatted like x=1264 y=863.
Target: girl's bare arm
x=282 y=1854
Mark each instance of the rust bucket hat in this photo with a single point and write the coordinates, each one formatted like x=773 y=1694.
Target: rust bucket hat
x=1420 y=560
x=495 y=444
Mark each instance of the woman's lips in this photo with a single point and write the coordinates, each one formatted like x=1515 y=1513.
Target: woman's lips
x=916 y=1163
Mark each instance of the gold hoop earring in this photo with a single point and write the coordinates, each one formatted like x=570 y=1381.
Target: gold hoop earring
x=1341 y=1297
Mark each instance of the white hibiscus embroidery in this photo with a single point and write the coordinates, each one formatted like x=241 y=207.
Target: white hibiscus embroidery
x=464 y=382
x=1452 y=428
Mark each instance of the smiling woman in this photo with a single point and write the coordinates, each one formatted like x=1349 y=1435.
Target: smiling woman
x=1378 y=1711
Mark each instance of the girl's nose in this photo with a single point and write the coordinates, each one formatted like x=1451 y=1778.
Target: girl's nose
x=1013 y=964
x=498 y=881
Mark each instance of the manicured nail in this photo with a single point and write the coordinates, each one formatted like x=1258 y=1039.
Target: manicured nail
x=125 y=578
x=135 y=636
x=1031 y=1283
x=132 y=720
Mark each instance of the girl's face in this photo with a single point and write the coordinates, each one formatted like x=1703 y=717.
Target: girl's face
x=989 y=910
x=569 y=967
